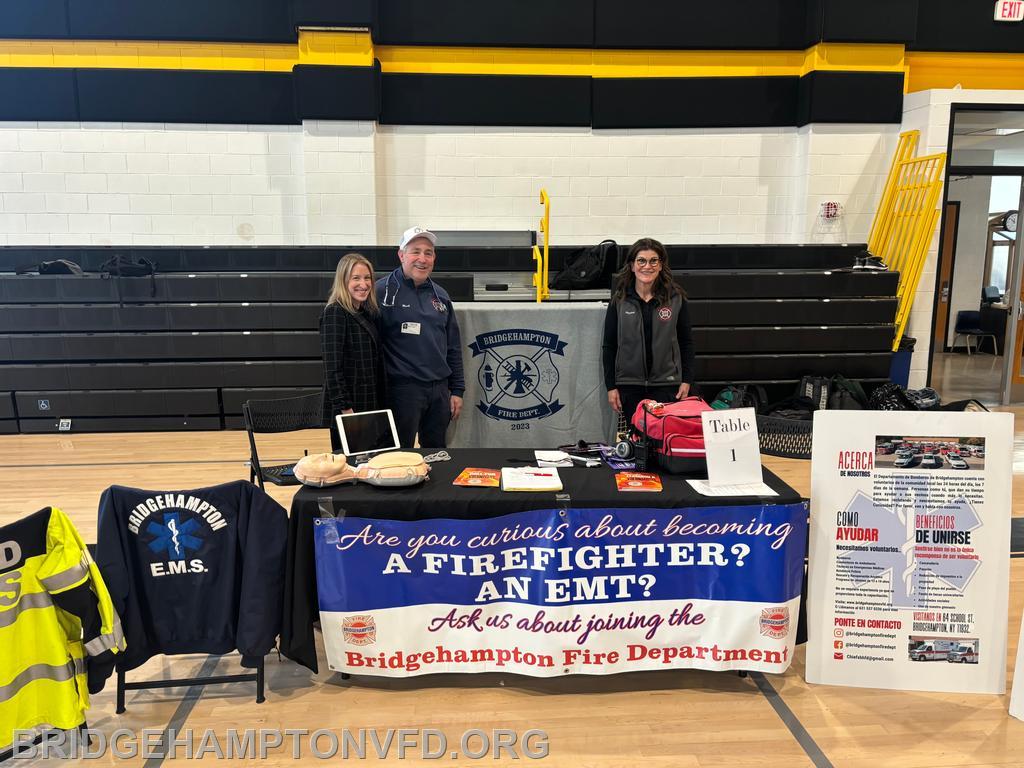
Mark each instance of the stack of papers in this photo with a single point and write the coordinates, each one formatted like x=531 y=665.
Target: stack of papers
x=704 y=488
x=530 y=479
x=552 y=459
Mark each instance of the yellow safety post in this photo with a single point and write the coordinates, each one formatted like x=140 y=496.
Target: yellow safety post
x=540 y=277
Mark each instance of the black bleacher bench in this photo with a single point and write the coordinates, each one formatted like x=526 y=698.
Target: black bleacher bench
x=105 y=347
x=450 y=259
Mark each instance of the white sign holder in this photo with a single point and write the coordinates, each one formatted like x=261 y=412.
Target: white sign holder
x=732 y=448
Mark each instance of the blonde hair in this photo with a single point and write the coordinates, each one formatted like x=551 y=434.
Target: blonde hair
x=339 y=291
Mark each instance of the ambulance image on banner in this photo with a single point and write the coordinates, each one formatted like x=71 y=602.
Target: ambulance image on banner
x=965 y=653
x=940 y=649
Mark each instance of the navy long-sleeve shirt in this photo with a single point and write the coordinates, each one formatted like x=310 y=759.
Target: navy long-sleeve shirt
x=419 y=332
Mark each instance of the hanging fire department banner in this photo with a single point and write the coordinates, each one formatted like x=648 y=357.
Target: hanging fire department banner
x=533 y=375
x=909 y=550
x=554 y=592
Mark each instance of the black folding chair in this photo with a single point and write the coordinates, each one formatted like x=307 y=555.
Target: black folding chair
x=287 y=414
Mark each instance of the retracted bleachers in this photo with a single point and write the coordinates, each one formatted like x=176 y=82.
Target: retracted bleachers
x=217 y=326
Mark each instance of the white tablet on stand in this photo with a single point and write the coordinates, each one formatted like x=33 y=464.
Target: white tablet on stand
x=366 y=433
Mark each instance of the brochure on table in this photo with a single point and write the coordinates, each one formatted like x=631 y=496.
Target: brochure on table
x=909 y=550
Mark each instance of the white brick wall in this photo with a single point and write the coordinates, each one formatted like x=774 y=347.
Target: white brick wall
x=359 y=183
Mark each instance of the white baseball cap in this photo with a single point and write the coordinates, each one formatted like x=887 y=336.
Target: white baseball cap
x=412 y=233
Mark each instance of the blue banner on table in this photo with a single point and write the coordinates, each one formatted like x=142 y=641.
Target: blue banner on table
x=552 y=592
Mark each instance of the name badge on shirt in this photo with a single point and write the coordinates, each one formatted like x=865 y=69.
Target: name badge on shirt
x=413 y=328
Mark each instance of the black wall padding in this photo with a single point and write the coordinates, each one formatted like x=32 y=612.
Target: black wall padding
x=762 y=24
x=212 y=345
x=6 y=405
x=760 y=340
x=233 y=399
x=130 y=424
x=752 y=367
x=100 y=318
x=959 y=25
x=756 y=284
x=34 y=19
x=531 y=23
x=851 y=97
x=333 y=13
x=695 y=102
x=336 y=93
x=805 y=256
x=418 y=99
x=28 y=93
x=139 y=402
x=8 y=427
x=227 y=20
x=864 y=21
x=728 y=312
x=278 y=260
x=185 y=96
x=162 y=375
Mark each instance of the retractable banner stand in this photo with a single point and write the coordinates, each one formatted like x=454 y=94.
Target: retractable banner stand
x=553 y=592
x=910 y=550
x=533 y=375
x=1017 y=694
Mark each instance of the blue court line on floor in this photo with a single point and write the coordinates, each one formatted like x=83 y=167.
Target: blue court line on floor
x=803 y=738
x=180 y=716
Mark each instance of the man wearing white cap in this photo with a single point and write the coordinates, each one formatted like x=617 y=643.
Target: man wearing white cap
x=422 y=346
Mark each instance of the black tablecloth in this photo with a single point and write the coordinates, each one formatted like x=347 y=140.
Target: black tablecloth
x=437 y=498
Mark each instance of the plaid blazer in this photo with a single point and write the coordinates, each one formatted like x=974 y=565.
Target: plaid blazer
x=353 y=363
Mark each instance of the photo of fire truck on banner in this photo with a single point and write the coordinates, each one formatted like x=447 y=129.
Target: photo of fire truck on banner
x=929 y=453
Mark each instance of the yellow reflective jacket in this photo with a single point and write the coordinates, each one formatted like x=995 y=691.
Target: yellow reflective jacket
x=54 y=613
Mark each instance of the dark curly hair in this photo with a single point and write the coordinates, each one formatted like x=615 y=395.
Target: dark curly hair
x=665 y=287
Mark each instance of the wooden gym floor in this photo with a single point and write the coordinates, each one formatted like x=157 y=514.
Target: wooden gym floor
x=682 y=719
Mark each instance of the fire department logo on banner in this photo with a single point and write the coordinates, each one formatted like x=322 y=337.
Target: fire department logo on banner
x=775 y=622
x=359 y=630
x=518 y=373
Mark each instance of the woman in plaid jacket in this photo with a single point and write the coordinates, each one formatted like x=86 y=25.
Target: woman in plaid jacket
x=350 y=343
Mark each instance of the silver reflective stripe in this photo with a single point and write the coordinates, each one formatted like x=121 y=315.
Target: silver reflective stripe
x=59 y=674
x=65 y=579
x=27 y=602
x=115 y=639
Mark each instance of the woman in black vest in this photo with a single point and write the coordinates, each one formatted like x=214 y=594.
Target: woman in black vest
x=648 y=348
x=350 y=343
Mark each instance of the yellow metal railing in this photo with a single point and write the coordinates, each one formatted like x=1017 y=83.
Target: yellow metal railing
x=540 y=277
x=906 y=149
x=905 y=220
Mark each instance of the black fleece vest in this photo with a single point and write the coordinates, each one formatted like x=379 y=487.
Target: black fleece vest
x=666 y=363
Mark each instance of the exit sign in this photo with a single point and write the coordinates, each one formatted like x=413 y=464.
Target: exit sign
x=1009 y=10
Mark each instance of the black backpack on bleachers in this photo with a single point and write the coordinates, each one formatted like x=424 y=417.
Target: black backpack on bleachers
x=584 y=267
x=130 y=266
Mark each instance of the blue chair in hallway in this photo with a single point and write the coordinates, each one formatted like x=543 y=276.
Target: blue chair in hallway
x=968 y=325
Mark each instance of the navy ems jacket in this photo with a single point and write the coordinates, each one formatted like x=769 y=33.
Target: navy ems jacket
x=198 y=571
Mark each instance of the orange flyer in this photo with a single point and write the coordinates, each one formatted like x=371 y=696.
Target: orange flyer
x=638 y=481
x=475 y=477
